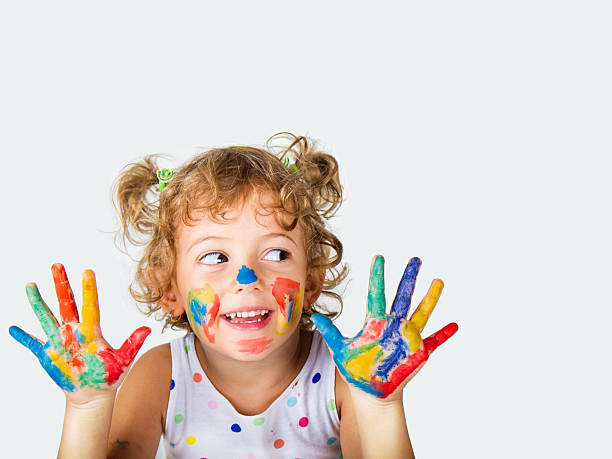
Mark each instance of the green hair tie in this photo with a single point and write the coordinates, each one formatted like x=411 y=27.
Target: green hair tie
x=292 y=167
x=164 y=176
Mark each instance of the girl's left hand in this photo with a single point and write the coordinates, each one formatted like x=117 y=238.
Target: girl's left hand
x=389 y=350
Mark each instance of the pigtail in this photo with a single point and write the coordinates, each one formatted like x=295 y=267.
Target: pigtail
x=315 y=184
x=316 y=168
x=136 y=199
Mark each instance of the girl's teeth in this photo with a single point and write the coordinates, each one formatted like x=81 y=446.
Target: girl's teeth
x=260 y=313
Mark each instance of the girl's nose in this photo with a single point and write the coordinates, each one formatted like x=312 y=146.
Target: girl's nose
x=246 y=278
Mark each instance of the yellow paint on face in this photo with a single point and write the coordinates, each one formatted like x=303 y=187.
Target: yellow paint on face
x=413 y=336
x=282 y=325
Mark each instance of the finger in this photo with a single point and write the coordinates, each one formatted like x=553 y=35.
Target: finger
x=68 y=309
x=91 y=312
x=132 y=345
x=45 y=316
x=432 y=342
x=27 y=340
x=330 y=333
x=401 y=302
x=38 y=350
x=423 y=311
x=377 y=307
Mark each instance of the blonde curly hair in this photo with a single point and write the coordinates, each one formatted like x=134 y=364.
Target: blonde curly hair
x=215 y=181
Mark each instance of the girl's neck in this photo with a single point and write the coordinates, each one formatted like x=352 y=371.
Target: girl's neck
x=273 y=374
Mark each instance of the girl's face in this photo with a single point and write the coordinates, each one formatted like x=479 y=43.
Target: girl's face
x=242 y=282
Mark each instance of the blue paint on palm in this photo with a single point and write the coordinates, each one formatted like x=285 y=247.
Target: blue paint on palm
x=246 y=275
x=199 y=311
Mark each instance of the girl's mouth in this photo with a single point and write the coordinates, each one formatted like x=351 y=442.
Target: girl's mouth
x=257 y=321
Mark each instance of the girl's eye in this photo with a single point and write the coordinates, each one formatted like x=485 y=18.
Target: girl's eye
x=277 y=255
x=213 y=258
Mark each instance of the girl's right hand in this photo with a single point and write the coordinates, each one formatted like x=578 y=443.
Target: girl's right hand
x=77 y=357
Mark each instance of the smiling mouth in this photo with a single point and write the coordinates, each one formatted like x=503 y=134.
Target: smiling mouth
x=250 y=317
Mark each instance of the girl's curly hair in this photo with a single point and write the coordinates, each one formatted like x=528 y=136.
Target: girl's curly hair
x=215 y=181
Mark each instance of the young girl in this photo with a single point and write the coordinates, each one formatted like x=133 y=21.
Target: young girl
x=237 y=253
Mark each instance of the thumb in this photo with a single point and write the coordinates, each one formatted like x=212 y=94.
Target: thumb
x=432 y=342
x=330 y=333
x=132 y=345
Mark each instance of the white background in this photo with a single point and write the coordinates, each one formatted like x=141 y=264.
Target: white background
x=472 y=134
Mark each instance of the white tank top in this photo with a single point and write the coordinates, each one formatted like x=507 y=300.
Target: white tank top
x=301 y=423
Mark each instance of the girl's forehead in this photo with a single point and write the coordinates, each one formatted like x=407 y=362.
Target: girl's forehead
x=244 y=220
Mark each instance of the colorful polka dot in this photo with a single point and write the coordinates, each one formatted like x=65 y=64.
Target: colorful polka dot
x=172 y=445
x=303 y=422
x=178 y=418
x=212 y=404
x=331 y=440
x=251 y=456
x=278 y=443
x=186 y=349
x=292 y=401
x=258 y=421
x=191 y=440
x=236 y=428
x=197 y=377
x=331 y=404
x=316 y=378
x=172 y=384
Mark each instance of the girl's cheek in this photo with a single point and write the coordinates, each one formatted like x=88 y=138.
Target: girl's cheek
x=289 y=296
x=202 y=311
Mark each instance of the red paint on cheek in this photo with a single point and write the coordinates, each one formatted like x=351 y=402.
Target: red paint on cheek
x=212 y=317
x=254 y=346
x=282 y=289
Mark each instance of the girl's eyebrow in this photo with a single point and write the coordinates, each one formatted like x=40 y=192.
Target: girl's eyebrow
x=202 y=239
x=267 y=236
x=270 y=235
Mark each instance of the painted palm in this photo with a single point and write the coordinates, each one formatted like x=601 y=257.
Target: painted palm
x=389 y=349
x=76 y=356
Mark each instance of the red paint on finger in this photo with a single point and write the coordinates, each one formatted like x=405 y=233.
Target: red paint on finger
x=68 y=309
x=132 y=345
x=432 y=342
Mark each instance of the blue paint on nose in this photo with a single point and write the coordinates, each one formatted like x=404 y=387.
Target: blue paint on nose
x=246 y=275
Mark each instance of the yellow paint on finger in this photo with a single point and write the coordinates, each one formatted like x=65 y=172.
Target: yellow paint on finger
x=91 y=311
x=426 y=307
x=412 y=336
x=362 y=365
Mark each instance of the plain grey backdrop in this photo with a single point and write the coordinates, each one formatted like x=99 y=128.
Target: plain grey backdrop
x=472 y=134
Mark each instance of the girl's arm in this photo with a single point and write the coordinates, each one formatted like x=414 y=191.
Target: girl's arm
x=81 y=362
x=140 y=409
x=370 y=431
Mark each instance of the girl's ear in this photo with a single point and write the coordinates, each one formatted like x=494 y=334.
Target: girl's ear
x=169 y=300
x=314 y=285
